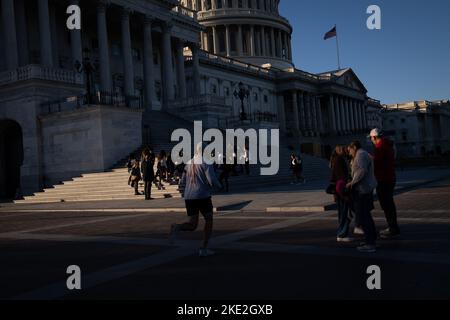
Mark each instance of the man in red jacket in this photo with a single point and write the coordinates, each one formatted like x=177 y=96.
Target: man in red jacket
x=384 y=163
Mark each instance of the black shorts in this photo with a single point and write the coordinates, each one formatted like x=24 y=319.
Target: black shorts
x=197 y=206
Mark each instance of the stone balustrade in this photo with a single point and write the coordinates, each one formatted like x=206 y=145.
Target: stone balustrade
x=38 y=72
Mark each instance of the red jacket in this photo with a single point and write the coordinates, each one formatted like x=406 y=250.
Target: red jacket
x=384 y=161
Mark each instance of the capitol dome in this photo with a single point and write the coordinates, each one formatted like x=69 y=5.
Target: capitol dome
x=249 y=30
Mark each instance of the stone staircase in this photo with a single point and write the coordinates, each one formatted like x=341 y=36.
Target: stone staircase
x=112 y=185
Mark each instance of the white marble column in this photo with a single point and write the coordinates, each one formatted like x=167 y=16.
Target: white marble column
x=103 y=47
x=215 y=40
x=344 y=114
x=332 y=115
x=281 y=112
x=75 y=41
x=196 y=68
x=239 y=41
x=339 y=114
x=290 y=47
x=355 y=116
x=272 y=42
x=349 y=114
x=279 y=44
x=202 y=40
x=313 y=114
x=252 y=40
x=364 y=115
x=149 y=80
x=22 y=33
x=319 y=116
x=360 y=116
x=295 y=110
x=308 y=111
x=44 y=33
x=227 y=40
x=167 y=64
x=54 y=36
x=263 y=41
x=302 y=112
x=258 y=42
x=181 y=74
x=10 y=34
x=128 y=69
x=261 y=4
x=286 y=54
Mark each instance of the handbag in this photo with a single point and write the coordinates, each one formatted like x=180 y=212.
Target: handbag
x=331 y=189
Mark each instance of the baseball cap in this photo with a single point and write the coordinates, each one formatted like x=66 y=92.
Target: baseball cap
x=374 y=133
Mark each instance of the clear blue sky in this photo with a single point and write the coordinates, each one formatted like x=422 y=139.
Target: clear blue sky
x=408 y=59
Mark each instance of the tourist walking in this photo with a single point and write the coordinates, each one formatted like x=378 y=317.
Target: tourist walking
x=135 y=177
x=296 y=166
x=384 y=161
x=340 y=176
x=362 y=185
x=148 y=174
x=197 y=181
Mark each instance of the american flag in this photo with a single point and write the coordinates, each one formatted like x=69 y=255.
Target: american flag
x=330 y=34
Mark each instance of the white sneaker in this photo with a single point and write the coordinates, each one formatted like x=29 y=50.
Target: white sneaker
x=173 y=233
x=367 y=249
x=346 y=239
x=205 y=253
x=358 y=231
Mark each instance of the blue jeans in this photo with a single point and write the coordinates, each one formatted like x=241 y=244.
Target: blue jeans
x=363 y=208
x=343 y=218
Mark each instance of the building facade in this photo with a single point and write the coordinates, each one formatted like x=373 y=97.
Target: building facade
x=77 y=101
x=419 y=128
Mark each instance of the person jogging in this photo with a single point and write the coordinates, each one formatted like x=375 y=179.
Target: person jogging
x=197 y=182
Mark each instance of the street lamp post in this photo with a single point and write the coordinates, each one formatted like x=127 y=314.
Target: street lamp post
x=88 y=69
x=242 y=94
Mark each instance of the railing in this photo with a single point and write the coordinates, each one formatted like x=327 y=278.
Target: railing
x=99 y=98
x=254 y=118
x=196 y=101
x=184 y=11
x=241 y=11
x=214 y=58
x=38 y=72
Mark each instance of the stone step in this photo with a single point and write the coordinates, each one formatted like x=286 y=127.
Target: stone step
x=130 y=195
x=85 y=199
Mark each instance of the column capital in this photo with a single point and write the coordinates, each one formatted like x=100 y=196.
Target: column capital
x=149 y=19
x=167 y=26
x=103 y=4
x=125 y=13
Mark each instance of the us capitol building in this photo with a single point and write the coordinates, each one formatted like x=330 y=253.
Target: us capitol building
x=79 y=101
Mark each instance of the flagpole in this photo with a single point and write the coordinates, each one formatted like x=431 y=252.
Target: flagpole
x=337 y=48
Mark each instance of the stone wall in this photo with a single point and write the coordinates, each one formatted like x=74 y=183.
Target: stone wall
x=89 y=139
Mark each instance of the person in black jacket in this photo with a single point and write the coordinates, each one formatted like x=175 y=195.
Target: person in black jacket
x=148 y=174
x=135 y=177
x=340 y=175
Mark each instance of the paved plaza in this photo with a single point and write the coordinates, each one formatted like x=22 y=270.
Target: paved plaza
x=261 y=254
